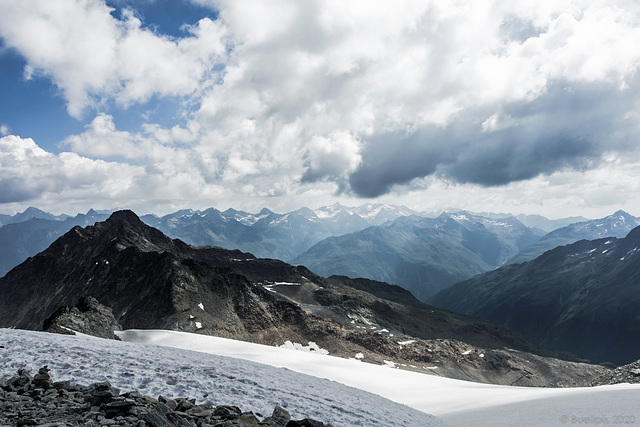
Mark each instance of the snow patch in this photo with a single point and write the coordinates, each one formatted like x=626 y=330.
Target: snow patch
x=201 y=306
x=297 y=346
x=406 y=342
x=198 y=325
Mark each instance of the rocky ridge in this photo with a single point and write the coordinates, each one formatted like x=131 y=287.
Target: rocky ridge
x=38 y=400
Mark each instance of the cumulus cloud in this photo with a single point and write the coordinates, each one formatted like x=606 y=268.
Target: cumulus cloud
x=91 y=56
x=474 y=92
x=357 y=97
x=28 y=172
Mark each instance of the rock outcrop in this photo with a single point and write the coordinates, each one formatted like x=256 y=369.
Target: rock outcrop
x=87 y=317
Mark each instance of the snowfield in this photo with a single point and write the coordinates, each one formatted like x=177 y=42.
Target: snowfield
x=330 y=389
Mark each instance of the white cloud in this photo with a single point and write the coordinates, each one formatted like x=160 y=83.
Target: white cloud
x=27 y=172
x=92 y=57
x=299 y=97
x=4 y=130
x=335 y=156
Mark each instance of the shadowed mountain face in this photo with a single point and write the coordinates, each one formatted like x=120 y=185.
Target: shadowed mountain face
x=423 y=255
x=617 y=225
x=148 y=280
x=29 y=234
x=583 y=298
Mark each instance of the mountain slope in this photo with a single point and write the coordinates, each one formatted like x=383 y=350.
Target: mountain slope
x=151 y=281
x=423 y=255
x=583 y=298
x=20 y=240
x=617 y=225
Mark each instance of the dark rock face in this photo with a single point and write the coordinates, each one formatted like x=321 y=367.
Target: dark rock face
x=25 y=238
x=87 y=317
x=37 y=400
x=583 y=298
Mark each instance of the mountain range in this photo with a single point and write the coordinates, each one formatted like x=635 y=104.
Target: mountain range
x=617 y=225
x=410 y=253
x=423 y=255
x=150 y=281
x=583 y=298
x=265 y=234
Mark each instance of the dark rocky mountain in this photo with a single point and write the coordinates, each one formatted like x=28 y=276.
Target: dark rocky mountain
x=148 y=280
x=22 y=239
x=423 y=255
x=583 y=298
x=616 y=225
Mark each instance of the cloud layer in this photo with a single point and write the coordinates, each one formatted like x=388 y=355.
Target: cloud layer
x=298 y=99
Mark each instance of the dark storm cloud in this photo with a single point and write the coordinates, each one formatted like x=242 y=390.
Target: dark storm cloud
x=567 y=127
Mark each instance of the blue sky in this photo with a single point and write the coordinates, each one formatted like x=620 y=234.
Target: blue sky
x=157 y=105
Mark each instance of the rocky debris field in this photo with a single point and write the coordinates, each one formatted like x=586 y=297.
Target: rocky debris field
x=629 y=374
x=38 y=400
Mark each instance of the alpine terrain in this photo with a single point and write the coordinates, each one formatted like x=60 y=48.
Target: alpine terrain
x=423 y=255
x=122 y=273
x=616 y=225
x=583 y=298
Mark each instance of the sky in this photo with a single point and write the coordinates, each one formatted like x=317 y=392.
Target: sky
x=158 y=105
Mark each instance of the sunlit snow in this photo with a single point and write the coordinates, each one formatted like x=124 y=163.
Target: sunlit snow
x=258 y=388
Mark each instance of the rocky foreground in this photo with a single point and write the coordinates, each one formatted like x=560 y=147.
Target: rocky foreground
x=38 y=400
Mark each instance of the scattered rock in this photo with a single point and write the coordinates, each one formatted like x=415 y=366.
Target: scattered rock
x=37 y=400
x=624 y=374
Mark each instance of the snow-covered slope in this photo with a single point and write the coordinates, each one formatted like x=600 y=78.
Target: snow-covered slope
x=206 y=377
x=339 y=391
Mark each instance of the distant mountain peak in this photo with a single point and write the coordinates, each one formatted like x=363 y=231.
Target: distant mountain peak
x=265 y=211
x=32 y=210
x=622 y=215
